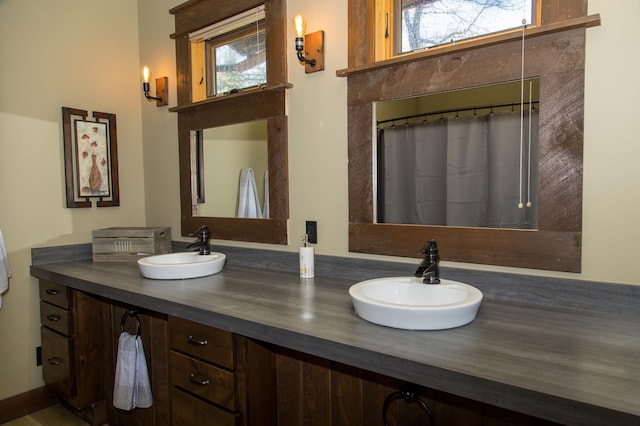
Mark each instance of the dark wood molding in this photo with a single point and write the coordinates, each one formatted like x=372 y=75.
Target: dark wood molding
x=268 y=105
x=555 y=54
x=26 y=403
x=267 y=102
x=462 y=46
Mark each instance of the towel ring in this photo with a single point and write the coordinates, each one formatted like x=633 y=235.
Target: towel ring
x=408 y=396
x=134 y=314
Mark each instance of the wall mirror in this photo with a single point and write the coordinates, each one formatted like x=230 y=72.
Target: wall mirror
x=230 y=171
x=554 y=55
x=461 y=158
x=232 y=111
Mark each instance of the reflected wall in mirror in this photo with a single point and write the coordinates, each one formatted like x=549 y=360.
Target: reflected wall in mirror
x=232 y=171
x=461 y=158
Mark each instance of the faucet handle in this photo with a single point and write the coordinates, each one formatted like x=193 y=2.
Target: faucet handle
x=429 y=269
x=430 y=248
x=202 y=233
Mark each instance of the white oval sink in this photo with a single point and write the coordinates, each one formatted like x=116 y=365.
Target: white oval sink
x=408 y=303
x=176 y=266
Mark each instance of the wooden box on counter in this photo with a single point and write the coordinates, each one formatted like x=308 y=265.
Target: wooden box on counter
x=129 y=243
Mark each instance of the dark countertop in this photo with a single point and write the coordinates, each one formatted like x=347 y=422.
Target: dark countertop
x=569 y=366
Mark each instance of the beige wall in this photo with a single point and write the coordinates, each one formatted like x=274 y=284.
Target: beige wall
x=76 y=53
x=87 y=54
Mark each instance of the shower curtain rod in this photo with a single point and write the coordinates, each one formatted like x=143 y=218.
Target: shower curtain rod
x=450 y=111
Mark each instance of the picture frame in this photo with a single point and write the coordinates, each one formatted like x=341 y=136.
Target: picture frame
x=91 y=158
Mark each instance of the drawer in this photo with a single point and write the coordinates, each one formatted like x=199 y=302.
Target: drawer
x=57 y=370
x=55 y=318
x=202 y=379
x=201 y=341
x=187 y=410
x=54 y=293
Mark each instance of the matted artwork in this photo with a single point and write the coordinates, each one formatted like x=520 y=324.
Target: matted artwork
x=91 y=158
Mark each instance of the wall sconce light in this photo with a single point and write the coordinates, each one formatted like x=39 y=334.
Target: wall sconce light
x=162 y=96
x=312 y=45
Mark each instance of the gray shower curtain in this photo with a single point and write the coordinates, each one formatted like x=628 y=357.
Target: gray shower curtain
x=463 y=171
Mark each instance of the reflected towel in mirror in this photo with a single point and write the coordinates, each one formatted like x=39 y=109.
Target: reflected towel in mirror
x=265 y=209
x=248 y=201
x=5 y=269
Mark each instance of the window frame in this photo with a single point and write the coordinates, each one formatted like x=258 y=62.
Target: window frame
x=225 y=39
x=393 y=8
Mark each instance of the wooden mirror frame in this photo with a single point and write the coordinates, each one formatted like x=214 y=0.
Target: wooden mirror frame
x=264 y=103
x=554 y=52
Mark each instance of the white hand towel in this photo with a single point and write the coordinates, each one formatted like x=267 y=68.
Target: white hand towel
x=265 y=209
x=248 y=202
x=5 y=269
x=131 y=388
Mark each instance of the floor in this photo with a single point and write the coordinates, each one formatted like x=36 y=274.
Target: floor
x=56 y=415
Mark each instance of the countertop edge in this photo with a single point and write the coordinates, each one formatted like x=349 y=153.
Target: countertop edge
x=564 y=293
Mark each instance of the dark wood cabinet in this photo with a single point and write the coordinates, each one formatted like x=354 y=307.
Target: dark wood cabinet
x=202 y=375
x=314 y=391
x=219 y=378
x=72 y=348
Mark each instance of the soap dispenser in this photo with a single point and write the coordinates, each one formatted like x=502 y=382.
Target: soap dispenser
x=306 y=259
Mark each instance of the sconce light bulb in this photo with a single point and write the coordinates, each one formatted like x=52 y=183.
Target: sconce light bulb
x=145 y=74
x=299 y=26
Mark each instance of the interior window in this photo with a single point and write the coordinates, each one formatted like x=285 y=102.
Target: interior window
x=422 y=24
x=237 y=61
x=229 y=56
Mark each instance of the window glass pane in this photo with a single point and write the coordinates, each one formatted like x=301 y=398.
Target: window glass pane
x=240 y=64
x=427 y=23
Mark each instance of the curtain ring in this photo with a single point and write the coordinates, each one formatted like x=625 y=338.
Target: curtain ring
x=134 y=314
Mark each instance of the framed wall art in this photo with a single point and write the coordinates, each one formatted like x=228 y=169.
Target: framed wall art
x=91 y=158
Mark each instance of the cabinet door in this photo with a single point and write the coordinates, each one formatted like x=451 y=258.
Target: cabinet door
x=188 y=411
x=87 y=347
x=71 y=344
x=57 y=368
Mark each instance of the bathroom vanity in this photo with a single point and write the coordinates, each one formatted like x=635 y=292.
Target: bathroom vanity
x=292 y=351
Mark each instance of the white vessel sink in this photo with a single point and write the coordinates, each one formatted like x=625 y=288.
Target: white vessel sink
x=407 y=303
x=176 y=266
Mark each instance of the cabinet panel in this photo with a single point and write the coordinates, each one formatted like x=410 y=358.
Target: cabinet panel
x=317 y=392
x=57 y=368
x=55 y=318
x=188 y=411
x=203 y=379
x=86 y=325
x=154 y=341
x=71 y=345
x=208 y=343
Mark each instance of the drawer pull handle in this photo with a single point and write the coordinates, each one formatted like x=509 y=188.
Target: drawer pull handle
x=196 y=342
x=52 y=291
x=54 y=360
x=53 y=317
x=192 y=378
